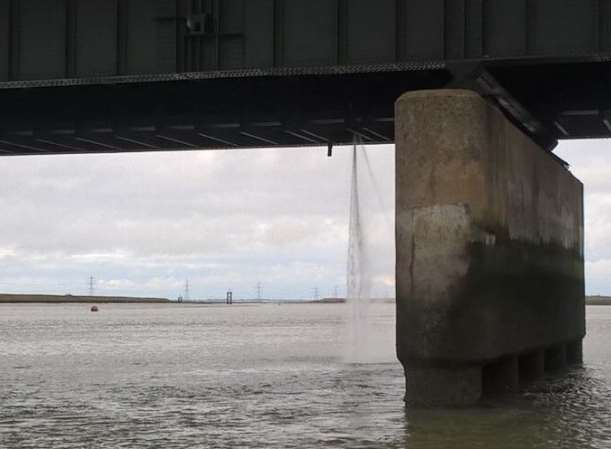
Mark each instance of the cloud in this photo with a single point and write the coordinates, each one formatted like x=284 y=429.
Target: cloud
x=143 y=223
x=598 y=274
x=590 y=161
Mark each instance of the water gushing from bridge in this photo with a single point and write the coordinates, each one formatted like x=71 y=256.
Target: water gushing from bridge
x=359 y=268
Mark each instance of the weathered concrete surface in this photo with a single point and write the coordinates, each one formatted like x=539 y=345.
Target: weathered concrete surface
x=489 y=247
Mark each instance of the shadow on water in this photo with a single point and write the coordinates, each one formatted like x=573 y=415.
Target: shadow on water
x=566 y=410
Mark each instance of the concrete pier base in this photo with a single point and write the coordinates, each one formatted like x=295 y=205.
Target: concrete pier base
x=502 y=376
x=555 y=358
x=532 y=366
x=438 y=386
x=574 y=352
x=489 y=233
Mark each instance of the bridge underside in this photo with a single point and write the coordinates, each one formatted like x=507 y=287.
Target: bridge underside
x=206 y=114
x=551 y=101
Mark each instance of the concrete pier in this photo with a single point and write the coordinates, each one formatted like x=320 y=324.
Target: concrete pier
x=532 y=366
x=490 y=272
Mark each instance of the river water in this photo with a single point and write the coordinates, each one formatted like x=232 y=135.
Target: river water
x=264 y=376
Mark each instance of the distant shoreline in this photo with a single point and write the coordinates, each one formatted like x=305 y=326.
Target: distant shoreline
x=72 y=299
x=7 y=298
x=598 y=300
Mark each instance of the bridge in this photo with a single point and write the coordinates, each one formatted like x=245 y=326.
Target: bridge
x=489 y=222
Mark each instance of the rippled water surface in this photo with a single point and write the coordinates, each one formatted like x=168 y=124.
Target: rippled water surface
x=268 y=376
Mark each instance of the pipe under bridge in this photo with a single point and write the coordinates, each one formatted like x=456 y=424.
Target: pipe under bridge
x=481 y=200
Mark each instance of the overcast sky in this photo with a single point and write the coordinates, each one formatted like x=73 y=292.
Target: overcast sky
x=591 y=163
x=142 y=224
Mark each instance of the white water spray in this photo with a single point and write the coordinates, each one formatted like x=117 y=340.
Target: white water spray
x=360 y=272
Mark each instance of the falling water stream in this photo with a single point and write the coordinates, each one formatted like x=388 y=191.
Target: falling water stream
x=359 y=269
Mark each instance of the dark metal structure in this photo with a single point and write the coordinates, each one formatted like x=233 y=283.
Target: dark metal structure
x=81 y=76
